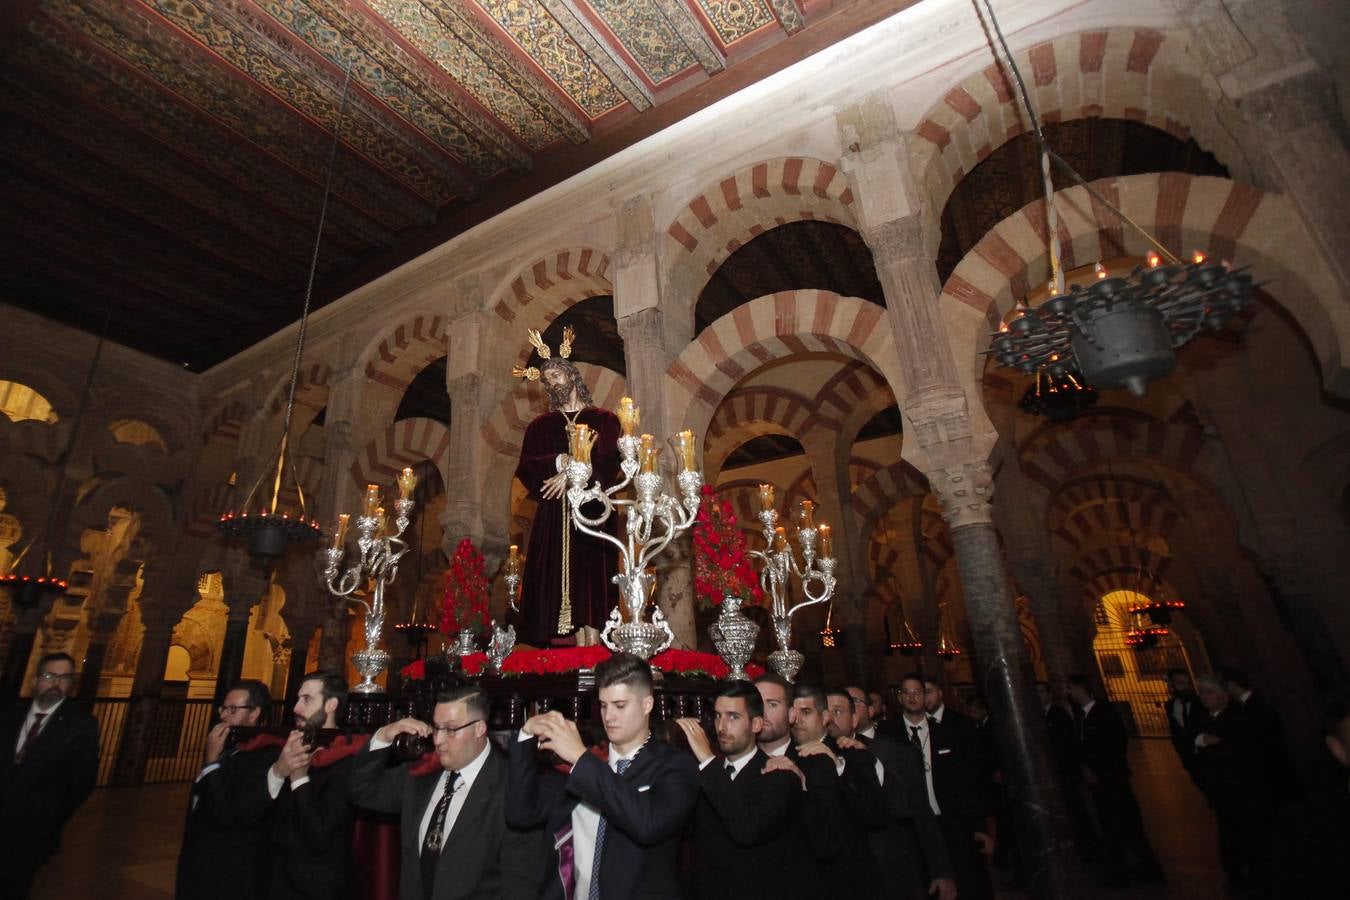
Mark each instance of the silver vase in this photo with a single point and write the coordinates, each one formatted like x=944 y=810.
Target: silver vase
x=734 y=637
x=785 y=661
x=370 y=662
x=464 y=643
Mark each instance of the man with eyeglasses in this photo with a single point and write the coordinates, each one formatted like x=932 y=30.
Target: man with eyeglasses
x=48 y=766
x=455 y=841
x=224 y=850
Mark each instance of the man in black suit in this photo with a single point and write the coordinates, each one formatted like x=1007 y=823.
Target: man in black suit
x=951 y=768
x=48 y=766
x=1282 y=777
x=456 y=844
x=1186 y=717
x=742 y=829
x=313 y=822
x=1228 y=766
x=224 y=851
x=1102 y=742
x=1068 y=771
x=911 y=844
x=847 y=783
x=615 y=825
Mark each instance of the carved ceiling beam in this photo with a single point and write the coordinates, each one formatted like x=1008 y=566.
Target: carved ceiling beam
x=692 y=35
x=601 y=52
x=789 y=15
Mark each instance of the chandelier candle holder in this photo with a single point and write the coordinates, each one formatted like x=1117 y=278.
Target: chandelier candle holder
x=1122 y=331
x=514 y=566
x=653 y=519
x=1145 y=637
x=1059 y=398
x=27 y=591
x=1159 y=612
x=947 y=647
x=379 y=551
x=909 y=643
x=778 y=566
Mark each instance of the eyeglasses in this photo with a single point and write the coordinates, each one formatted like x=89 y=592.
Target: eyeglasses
x=234 y=709
x=912 y=692
x=449 y=730
x=49 y=677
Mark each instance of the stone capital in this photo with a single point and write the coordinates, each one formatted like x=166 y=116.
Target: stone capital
x=643 y=329
x=938 y=414
x=965 y=492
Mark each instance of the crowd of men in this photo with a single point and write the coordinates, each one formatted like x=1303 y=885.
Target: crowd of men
x=796 y=791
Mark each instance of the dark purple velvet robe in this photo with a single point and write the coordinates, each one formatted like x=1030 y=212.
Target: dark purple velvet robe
x=594 y=561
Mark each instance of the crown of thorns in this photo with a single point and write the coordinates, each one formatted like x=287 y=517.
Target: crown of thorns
x=537 y=341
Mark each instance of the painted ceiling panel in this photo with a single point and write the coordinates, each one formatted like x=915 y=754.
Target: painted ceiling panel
x=169 y=157
x=736 y=19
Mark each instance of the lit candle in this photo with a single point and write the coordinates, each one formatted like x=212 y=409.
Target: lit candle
x=826 y=546
x=513 y=561
x=779 y=539
x=582 y=440
x=806 y=515
x=372 y=500
x=685 y=449
x=630 y=416
x=340 y=533
x=651 y=453
x=380 y=521
x=766 y=496
x=406 y=482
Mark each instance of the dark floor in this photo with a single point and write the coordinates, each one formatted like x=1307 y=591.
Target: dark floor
x=123 y=843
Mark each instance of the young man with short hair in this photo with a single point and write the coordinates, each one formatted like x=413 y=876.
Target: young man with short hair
x=616 y=825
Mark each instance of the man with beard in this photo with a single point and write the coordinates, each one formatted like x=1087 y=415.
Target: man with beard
x=312 y=832
x=455 y=841
x=48 y=766
x=224 y=850
x=742 y=829
x=566 y=587
x=616 y=824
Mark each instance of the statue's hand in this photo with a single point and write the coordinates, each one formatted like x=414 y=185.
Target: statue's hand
x=554 y=487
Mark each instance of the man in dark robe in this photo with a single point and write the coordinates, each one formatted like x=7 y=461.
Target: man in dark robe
x=566 y=585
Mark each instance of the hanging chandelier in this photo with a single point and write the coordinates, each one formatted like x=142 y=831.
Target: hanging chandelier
x=947 y=647
x=1143 y=636
x=1120 y=330
x=1059 y=398
x=1159 y=612
x=270 y=528
x=908 y=643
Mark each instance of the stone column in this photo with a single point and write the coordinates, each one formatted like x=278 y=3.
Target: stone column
x=647 y=355
x=1003 y=675
x=337 y=493
x=243 y=593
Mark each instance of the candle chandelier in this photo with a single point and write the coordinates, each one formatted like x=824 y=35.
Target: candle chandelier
x=1120 y=330
x=269 y=526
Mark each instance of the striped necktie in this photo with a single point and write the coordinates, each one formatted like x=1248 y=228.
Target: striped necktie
x=594 y=892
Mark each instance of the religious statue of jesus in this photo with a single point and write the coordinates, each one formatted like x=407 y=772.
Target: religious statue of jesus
x=566 y=589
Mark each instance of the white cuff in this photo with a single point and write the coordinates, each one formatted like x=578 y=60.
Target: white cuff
x=522 y=736
x=839 y=767
x=299 y=782
x=274 y=783
x=703 y=765
x=377 y=744
x=207 y=770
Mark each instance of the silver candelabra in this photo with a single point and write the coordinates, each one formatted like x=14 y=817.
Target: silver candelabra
x=653 y=520
x=778 y=566
x=380 y=550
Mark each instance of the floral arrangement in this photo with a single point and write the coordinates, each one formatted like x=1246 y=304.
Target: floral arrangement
x=721 y=564
x=570 y=659
x=465 y=606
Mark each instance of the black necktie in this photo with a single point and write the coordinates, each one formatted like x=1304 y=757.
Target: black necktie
x=914 y=737
x=431 y=844
x=731 y=771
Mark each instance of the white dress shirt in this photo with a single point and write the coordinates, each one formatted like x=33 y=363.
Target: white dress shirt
x=585 y=824
x=467 y=775
x=31 y=718
x=869 y=732
x=736 y=764
x=780 y=750
x=926 y=742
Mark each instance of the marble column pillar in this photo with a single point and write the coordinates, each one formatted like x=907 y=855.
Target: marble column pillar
x=143 y=705
x=243 y=596
x=1003 y=675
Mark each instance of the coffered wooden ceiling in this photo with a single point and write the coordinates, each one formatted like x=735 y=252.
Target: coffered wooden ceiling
x=167 y=157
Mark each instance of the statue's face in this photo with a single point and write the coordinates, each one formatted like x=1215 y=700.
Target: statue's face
x=560 y=381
